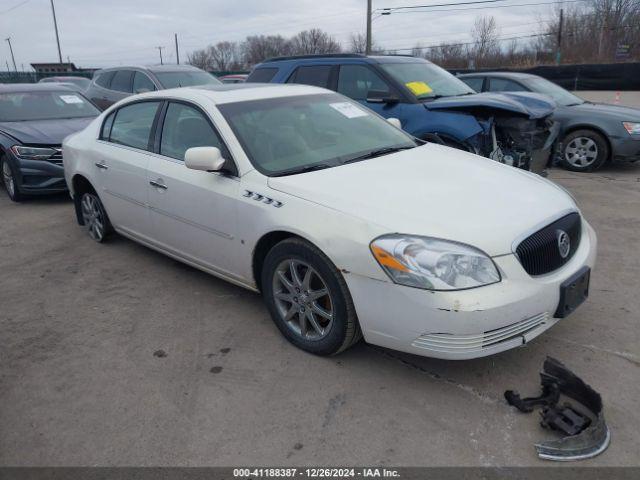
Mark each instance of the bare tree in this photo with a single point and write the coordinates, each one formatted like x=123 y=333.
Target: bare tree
x=225 y=56
x=485 y=37
x=201 y=59
x=314 y=41
x=257 y=48
x=358 y=44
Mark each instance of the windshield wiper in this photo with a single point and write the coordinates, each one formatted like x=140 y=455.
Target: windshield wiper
x=376 y=153
x=305 y=169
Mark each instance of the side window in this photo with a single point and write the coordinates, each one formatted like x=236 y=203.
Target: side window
x=262 y=75
x=355 y=81
x=185 y=127
x=142 y=83
x=104 y=80
x=475 y=83
x=504 y=85
x=121 y=81
x=132 y=124
x=316 y=75
x=106 y=126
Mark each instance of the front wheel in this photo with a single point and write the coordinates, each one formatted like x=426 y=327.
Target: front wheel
x=308 y=299
x=584 y=151
x=9 y=181
x=94 y=217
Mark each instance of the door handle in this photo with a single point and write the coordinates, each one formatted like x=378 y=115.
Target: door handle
x=102 y=166
x=158 y=185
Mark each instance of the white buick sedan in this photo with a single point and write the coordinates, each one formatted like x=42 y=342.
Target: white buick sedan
x=347 y=226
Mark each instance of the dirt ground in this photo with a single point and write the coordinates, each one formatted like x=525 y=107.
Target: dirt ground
x=83 y=381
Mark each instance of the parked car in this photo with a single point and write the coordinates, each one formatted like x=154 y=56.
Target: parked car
x=430 y=103
x=236 y=78
x=345 y=223
x=80 y=83
x=34 y=119
x=591 y=134
x=111 y=85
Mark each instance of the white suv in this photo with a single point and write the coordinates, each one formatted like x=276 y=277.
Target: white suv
x=345 y=223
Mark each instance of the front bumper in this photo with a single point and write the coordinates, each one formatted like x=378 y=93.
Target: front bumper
x=626 y=148
x=39 y=176
x=470 y=323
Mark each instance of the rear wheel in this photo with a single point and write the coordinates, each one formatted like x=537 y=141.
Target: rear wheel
x=9 y=181
x=584 y=151
x=94 y=217
x=308 y=299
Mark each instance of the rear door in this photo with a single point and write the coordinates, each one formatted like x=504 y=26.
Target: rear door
x=193 y=212
x=121 y=86
x=121 y=161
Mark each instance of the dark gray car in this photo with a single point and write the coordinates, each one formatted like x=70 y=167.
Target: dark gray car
x=111 y=85
x=591 y=133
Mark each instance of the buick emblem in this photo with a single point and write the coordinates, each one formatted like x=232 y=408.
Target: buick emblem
x=564 y=243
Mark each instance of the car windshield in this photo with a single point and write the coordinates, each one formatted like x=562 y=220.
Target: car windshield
x=185 y=79
x=43 y=105
x=289 y=135
x=559 y=94
x=426 y=80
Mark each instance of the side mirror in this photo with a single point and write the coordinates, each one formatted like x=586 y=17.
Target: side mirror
x=395 y=122
x=208 y=159
x=381 y=96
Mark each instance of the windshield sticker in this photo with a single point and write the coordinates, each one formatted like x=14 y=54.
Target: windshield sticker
x=419 y=88
x=348 y=109
x=70 y=99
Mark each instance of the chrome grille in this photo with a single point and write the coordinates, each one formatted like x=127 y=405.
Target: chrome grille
x=56 y=157
x=539 y=253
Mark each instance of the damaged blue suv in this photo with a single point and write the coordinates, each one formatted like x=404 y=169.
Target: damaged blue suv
x=431 y=104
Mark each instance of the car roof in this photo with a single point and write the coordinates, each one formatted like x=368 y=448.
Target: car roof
x=519 y=75
x=33 y=87
x=236 y=92
x=153 y=68
x=337 y=57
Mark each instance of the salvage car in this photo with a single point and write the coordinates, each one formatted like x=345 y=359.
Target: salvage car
x=431 y=104
x=110 y=85
x=591 y=134
x=346 y=224
x=34 y=119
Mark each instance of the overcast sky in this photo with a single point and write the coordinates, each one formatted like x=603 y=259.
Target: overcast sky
x=99 y=33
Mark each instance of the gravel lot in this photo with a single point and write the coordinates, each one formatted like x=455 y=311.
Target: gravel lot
x=80 y=384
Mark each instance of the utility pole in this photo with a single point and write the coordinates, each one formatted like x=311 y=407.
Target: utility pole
x=175 y=36
x=160 y=50
x=8 y=39
x=55 y=25
x=559 y=51
x=368 y=47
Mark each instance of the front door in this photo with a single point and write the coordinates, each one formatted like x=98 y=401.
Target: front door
x=193 y=212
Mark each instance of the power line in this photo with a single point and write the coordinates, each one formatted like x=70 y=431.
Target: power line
x=494 y=7
x=14 y=7
x=438 y=5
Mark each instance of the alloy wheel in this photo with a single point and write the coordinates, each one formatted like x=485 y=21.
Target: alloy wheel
x=302 y=299
x=93 y=216
x=581 y=152
x=9 y=181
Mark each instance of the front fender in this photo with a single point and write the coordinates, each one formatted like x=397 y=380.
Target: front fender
x=456 y=125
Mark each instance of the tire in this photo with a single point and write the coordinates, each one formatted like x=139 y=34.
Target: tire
x=584 y=151
x=94 y=217
x=301 y=315
x=9 y=181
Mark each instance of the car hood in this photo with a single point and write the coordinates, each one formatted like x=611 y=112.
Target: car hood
x=531 y=105
x=44 y=132
x=436 y=191
x=618 y=112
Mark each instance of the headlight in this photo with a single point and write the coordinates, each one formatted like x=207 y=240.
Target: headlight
x=433 y=264
x=632 y=127
x=32 y=153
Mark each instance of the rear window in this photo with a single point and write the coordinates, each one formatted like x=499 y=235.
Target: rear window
x=474 y=82
x=21 y=106
x=104 y=79
x=122 y=81
x=317 y=75
x=262 y=75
